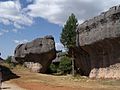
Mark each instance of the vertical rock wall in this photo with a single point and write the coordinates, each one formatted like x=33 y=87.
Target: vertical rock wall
x=98 y=45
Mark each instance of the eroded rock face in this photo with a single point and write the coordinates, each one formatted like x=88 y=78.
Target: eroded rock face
x=34 y=67
x=36 y=55
x=98 y=45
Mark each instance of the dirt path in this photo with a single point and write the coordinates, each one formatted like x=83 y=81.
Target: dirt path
x=9 y=86
x=37 y=81
x=43 y=86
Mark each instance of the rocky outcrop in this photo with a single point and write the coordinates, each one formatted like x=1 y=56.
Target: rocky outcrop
x=98 y=45
x=36 y=55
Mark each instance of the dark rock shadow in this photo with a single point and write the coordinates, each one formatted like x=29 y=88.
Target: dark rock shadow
x=5 y=88
x=7 y=74
x=101 y=54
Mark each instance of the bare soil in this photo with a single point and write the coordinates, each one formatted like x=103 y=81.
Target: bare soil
x=36 y=81
x=10 y=86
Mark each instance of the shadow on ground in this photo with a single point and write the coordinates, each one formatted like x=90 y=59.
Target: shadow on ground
x=5 y=88
x=7 y=74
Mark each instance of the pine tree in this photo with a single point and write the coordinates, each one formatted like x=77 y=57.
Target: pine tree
x=68 y=36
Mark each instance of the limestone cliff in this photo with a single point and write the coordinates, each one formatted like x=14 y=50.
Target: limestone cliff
x=98 y=45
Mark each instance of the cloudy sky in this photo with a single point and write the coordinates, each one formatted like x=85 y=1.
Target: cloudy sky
x=24 y=20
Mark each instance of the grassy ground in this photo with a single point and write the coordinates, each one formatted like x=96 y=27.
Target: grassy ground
x=36 y=81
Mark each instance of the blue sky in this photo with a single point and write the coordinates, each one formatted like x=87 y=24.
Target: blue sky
x=24 y=20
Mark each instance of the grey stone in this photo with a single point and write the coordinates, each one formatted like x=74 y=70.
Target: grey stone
x=37 y=54
x=98 y=49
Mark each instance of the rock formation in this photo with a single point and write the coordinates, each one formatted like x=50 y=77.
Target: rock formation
x=36 y=55
x=98 y=45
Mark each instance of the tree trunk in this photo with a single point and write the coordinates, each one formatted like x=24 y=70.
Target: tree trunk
x=73 y=64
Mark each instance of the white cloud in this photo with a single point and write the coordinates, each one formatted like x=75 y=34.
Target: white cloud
x=5 y=30
x=4 y=21
x=15 y=30
x=17 y=25
x=20 y=41
x=11 y=13
x=57 y=11
x=1 y=34
x=59 y=46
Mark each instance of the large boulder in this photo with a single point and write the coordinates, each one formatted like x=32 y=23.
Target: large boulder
x=37 y=54
x=98 y=46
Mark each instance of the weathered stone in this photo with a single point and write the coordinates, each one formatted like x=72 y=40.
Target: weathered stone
x=34 y=67
x=98 y=49
x=36 y=55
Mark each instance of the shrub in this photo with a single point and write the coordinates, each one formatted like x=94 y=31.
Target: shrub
x=53 y=68
x=65 y=65
x=8 y=60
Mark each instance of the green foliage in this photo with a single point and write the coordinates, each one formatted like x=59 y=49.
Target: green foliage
x=65 y=65
x=8 y=60
x=53 y=68
x=68 y=35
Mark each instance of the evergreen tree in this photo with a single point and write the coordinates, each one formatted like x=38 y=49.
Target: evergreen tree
x=68 y=36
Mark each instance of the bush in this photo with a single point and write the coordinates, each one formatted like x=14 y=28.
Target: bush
x=8 y=60
x=53 y=68
x=65 y=65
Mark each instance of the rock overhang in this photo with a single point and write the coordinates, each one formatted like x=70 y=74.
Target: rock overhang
x=106 y=25
x=98 y=44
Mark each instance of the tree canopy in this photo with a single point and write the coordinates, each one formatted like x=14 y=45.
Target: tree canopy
x=68 y=35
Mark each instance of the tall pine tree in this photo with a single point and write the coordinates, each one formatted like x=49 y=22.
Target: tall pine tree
x=68 y=36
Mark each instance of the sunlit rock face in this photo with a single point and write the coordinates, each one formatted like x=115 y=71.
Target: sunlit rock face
x=98 y=45
x=37 y=54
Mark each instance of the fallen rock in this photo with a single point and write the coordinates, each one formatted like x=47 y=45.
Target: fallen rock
x=37 y=54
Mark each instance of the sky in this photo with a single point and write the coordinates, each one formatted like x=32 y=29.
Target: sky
x=22 y=21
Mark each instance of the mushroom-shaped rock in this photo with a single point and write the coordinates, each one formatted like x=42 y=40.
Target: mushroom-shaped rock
x=37 y=54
